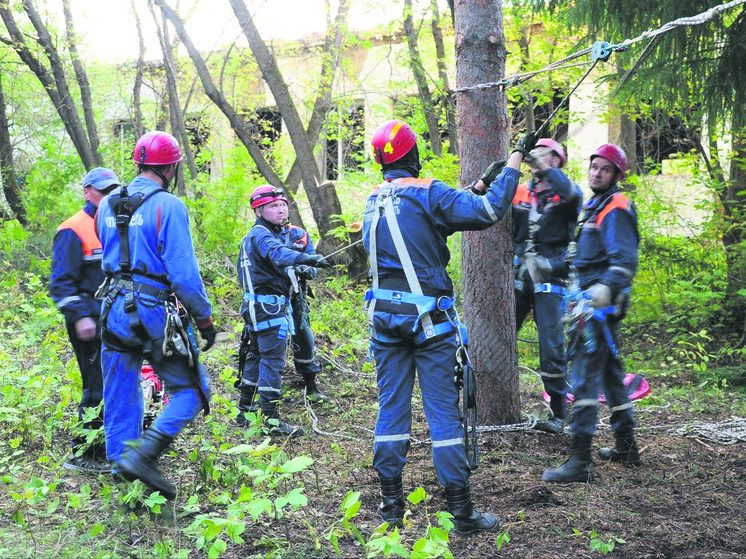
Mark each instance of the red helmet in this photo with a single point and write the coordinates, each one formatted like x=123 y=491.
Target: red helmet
x=392 y=141
x=615 y=154
x=156 y=148
x=555 y=147
x=266 y=194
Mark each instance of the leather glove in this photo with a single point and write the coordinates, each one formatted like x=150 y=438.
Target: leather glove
x=490 y=174
x=599 y=296
x=538 y=267
x=303 y=271
x=526 y=144
x=208 y=334
x=317 y=261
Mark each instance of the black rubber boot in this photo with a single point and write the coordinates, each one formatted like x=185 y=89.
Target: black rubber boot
x=275 y=426
x=578 y=468
x=466 y=520
x=556 y=424
x=312 y=391
x=625 y=452
x=391 y=509
x=246 y=403
x=141 y=462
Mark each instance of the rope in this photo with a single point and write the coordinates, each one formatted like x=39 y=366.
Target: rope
x=623 y=46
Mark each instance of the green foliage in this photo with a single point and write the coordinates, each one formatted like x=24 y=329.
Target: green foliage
x=597 y=544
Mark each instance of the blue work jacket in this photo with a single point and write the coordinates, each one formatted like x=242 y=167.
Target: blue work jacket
x=607 y=242
x=161 y=248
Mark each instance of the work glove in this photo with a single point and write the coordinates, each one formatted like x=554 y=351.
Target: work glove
x=598 y=295
x=490 y=174
x=208 y=334
x=317 y=261
x=539 y=268
x=526 y=144
x=303 y=271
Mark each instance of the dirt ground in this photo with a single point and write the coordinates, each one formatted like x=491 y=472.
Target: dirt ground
x=688 y=500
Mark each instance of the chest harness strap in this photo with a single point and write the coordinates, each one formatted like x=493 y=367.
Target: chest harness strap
x=424 y=303
x=274 y=302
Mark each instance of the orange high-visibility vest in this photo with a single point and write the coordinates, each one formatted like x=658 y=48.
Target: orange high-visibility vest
x=82 y=225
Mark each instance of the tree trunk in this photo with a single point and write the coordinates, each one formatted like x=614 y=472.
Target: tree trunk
x=137 y=124
x=734 y=207
x=175 y=115
x=418 y=70
x=56 y=87
x=237 y=124
x=323 y=198
x=7 y=170
x=489 y=302
x=85 y=88
x=449 y=101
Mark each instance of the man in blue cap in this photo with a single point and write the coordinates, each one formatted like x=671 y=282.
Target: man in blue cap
x=76 y=275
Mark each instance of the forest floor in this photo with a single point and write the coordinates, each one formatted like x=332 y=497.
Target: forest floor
x=688 y=501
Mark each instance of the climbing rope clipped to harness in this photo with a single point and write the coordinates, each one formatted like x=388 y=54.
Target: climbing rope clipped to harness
x=466 y=384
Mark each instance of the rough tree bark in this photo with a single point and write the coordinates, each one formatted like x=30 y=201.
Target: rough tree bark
x=449 y=101
x=7 y=170
x=489 y=303
x=420 y=78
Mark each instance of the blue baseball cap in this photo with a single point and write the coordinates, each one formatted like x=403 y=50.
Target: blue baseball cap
x=100 y=178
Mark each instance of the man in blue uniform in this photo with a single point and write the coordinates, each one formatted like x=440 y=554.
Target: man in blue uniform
x=76 y=275
x=262 y=265
x=302 y=343
x=606 y=263
x=412 y=320
x=154 y=291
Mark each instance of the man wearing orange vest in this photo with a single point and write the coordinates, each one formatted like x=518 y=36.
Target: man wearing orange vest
x=76 y=275
x=606 y=262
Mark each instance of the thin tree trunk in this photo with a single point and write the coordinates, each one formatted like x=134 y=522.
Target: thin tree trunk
x=139 y=72
x=733 y=200
x=447 y=96
x=420 y=78
x=7 y=169
x=175 y=115
x=57 y=91
x=85 y=88
x=323 y=198
x=237 y=124
x=489 y=302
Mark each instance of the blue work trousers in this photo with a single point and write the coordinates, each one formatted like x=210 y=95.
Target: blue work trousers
x=552 y=362
x=122 y=364
x=303 y=346
x=399 y=353
x=266 y=359
x=595 y=372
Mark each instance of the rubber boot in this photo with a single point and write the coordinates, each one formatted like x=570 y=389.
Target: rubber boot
x=625 y=452
x=141 y=462
x=246 y=403
x=391 y=509
x=579 y=467
x=466 y=520
x=275 y=426
x=312 y=391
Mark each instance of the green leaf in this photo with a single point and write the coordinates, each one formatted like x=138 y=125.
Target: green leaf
x=417 y=496
x=256 y=507
x=297 y=464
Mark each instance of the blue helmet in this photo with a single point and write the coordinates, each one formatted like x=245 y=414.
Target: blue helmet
x=100 y=178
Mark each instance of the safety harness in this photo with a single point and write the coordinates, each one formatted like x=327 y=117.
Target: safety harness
x=425 y=303
x=271 y=304
x=178 y=338
x=578 y=312
x=464 y=374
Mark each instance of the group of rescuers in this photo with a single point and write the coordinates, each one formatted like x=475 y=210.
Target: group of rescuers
x=125 y=276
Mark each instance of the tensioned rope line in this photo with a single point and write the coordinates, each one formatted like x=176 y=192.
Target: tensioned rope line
x=623 y=46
